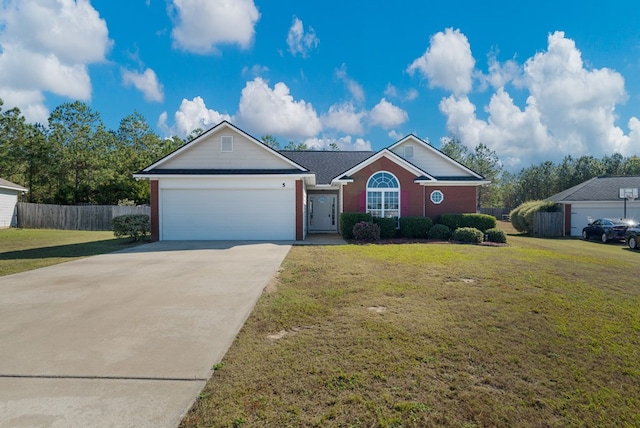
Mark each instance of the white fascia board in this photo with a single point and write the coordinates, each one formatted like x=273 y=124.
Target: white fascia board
x=221 y=125
x=308 y=177
x=382 y=153
x=451 y=183
x=436 y=152
x=16 y=188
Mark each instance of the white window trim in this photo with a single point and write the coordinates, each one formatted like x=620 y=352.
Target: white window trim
x=383 y=190
x=226 y=143
x=439 y=192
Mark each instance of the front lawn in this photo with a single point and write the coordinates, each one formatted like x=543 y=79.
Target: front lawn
x=541 y=332
x=27 y=249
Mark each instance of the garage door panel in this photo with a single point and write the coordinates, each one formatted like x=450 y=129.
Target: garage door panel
x=580 y=215
x=226 y=214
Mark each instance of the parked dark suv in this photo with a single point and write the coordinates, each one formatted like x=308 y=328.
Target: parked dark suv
x=632 y=236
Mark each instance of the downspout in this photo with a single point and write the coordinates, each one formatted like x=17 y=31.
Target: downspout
x=424 y=201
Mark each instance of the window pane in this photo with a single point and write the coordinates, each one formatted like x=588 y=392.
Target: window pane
x=391 y=200
x=382 y=180
x=374 y=200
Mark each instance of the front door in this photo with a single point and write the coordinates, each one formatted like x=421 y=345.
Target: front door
x=322 y=213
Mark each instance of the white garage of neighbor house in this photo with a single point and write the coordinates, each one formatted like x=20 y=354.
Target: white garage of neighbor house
x=8 y=203
x=596 y=198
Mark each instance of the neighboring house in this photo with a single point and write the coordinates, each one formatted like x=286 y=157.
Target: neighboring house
x=596 y=198
x=226 y=184
x=8 y=203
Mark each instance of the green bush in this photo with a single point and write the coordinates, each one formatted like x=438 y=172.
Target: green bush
x=415 y=227
x=388 y=227
x=469 y=235
x=440 y=232
x=481 y=222
x=366 y=231
x=135 y=226
x=522 y=216
x=496 y=235
x=348 y=220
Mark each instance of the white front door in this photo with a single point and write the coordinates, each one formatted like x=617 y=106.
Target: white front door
x=322 y=213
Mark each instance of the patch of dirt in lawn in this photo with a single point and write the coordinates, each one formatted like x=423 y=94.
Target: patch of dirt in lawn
x=377 y=309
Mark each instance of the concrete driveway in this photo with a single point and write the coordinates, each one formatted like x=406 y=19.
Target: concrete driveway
x=126 y=339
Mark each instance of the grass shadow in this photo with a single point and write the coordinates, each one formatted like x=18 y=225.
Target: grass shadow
x=83 y=249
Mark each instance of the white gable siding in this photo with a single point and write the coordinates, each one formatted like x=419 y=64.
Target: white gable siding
x=430 y=161
x=207 y=154
x=8 y=201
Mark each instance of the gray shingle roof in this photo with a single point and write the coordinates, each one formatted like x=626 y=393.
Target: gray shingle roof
x=327 y=165
x=5 y=184
x=596 y=189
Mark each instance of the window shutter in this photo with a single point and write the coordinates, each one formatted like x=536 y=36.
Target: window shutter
x=362 y=201
x=404 y=203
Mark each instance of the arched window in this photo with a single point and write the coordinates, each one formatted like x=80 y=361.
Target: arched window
x=383 y=195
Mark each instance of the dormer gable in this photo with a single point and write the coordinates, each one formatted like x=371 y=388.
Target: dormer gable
x=431 y=160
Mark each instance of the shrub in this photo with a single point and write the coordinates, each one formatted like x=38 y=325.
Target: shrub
x=522 y=216
x=388 y=226
x=440 y=232
x=348 y=220
x=366 y=231
x=496 y=235
x=469 y=235
x=415 y=227
x=481 y=222
x=136 y=226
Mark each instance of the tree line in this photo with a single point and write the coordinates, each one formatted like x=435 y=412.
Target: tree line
x=535 y=182
x=77 y=160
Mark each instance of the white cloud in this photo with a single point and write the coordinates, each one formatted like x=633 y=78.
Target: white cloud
x=46 y=45
x=393 y=92
x=634 y=132
x=387 y=115
x=300 y=42
x=344 y=118
x=447 y=63
x=354 y=88
x=569 y=109
x=274 y=111
x=255 y=71
x=201 y=25
x=146 y=82
x=195 y=114
x=343 y=144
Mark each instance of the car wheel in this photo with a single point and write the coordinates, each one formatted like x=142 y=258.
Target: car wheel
x=584 y=235
x=632 y=242
x=604 y=238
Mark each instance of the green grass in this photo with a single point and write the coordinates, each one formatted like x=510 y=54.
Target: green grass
x=541 y=332
x=26 y=249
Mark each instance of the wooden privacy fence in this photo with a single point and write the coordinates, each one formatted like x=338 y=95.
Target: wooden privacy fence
x=72 y=217
x=499 y=213
x=548 y=225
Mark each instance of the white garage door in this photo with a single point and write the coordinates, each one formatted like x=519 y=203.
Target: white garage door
x=580 y=215
x=227 y=214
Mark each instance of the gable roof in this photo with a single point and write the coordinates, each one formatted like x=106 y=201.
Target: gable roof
x=157 y=166
x=440 y=155
x=5 y=184
x=327 y=164
x=386 y=153
x=596 y=189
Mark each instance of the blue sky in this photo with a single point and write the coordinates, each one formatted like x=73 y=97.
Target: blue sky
x=533 y=81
